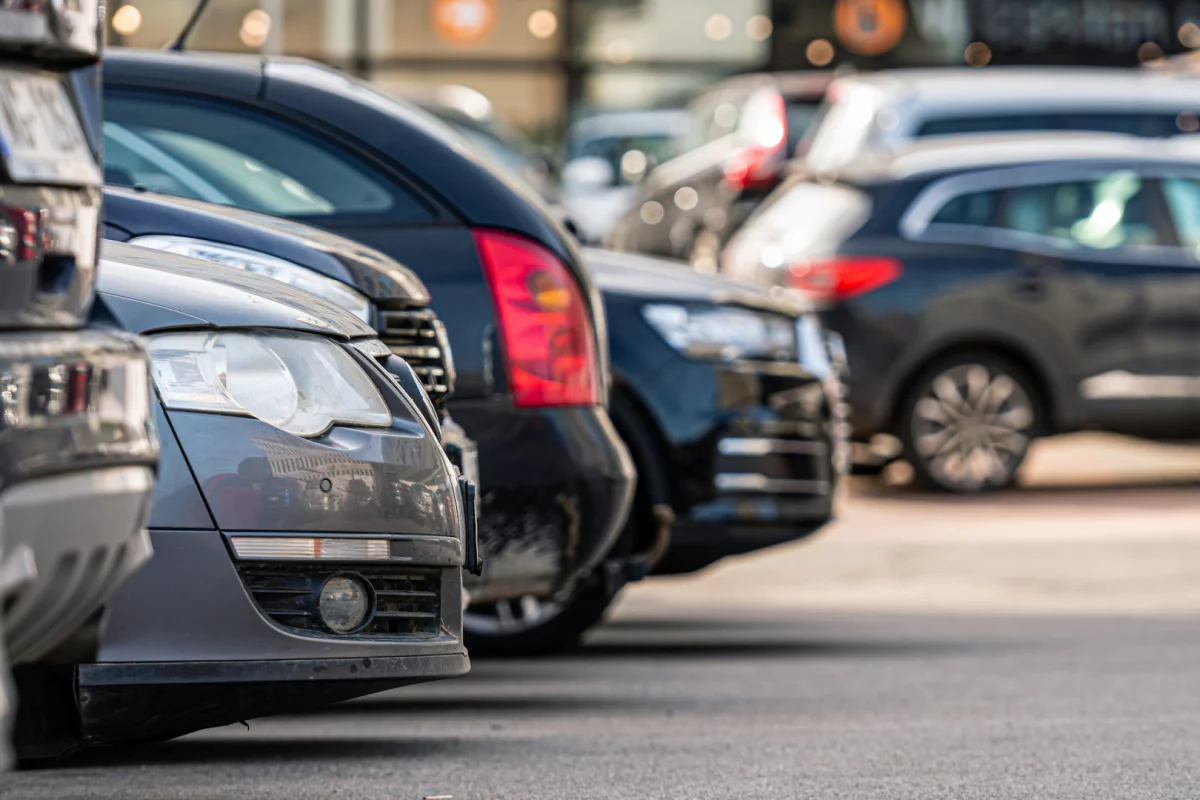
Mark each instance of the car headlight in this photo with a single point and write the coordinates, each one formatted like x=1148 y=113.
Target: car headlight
x=724 y=332
x=301 y=384
x=262 y=264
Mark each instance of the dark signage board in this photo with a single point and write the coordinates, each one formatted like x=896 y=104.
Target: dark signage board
x=937 y=32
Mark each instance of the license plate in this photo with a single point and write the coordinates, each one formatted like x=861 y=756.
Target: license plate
x=41 y=140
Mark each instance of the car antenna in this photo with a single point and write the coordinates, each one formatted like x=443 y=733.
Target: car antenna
x=179 y=41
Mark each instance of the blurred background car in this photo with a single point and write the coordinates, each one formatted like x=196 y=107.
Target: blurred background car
x=303 y=142
x=993 y=290
x=740 y=135
x=726 y=397
x=309 y=530
x=604 y=158
x=75 y=436
x=886 y=110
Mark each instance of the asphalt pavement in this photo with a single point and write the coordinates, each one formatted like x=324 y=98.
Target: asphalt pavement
x=1042 y=643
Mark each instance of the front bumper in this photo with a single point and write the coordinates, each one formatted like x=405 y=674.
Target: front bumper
x=193 y=641
x=220 y=626
x=555 y=489
x=763 y=469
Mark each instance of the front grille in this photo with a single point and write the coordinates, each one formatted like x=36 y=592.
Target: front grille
x=407 y=599
x=419 y=338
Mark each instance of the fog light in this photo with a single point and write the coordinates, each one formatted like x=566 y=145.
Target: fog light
x=344 y=603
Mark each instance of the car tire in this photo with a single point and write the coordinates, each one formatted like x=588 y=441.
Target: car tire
x=967 y=422
x=528 y=626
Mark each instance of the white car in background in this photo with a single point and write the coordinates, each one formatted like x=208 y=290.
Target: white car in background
x=605 y=157
x=885 y=110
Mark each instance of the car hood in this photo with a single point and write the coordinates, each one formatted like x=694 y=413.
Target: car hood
x=617 y=273
x=148 y=290
x=369 y=271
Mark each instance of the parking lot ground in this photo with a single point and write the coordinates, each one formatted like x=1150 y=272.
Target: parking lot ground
x=1039 y=643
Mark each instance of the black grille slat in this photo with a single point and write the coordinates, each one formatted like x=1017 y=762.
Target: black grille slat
x=407 y=599
x=413 y=336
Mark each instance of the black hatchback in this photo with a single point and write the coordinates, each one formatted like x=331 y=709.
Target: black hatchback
x=993 y=290
x=297 y=140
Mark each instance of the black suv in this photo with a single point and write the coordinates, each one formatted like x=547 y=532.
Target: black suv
x=297 y=140
x=993 y=290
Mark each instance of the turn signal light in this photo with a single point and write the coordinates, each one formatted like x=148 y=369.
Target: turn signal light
x=546 y=333
x=843 y=277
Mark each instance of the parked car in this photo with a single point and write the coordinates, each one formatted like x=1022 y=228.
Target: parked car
x=741 y=133
x=309 y=530
x=726 y=396
x=300 y=141
x=75 y=436
x=364 y=282
x=606 y=156
x=471 y=114
x=884 y=111
x=994 y=290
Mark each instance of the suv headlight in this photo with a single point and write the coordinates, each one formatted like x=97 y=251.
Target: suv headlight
x=724 y=332
x=301 y=384
x=262 y=264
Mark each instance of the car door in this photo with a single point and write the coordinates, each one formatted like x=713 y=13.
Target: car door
x=1100 y=262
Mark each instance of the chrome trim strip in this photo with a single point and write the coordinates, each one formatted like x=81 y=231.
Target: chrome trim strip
x=756 y=482
x=761 y=446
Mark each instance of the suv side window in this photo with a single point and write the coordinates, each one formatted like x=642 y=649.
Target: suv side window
x=1183 y=204
x=974 y=208
x=1100 y=213
x=224 y=154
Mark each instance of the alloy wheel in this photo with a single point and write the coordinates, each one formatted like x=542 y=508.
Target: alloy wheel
x=971 y=427
x=506 y=617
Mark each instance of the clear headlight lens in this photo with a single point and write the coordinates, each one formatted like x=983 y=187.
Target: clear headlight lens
x=724 y=332
x=262 y=264
x=301 y=384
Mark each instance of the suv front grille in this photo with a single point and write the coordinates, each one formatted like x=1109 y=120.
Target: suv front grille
x=407 y=599
x=419 y=338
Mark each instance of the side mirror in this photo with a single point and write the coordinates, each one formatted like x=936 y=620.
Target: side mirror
x=587 y=174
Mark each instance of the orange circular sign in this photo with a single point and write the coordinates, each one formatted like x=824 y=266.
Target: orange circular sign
x=462 y=21
x=870 y=27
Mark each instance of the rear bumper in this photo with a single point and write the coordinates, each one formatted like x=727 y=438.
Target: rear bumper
x=555 y=485
x=71 y=540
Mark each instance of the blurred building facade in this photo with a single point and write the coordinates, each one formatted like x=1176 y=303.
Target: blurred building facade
x=543 y=61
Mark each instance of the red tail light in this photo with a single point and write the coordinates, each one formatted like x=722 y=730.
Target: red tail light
x=843 y=277
x=757 y=164
x=545 y=326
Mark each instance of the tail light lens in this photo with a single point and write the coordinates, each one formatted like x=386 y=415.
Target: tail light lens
x=756 y=165
x=545 y=324
x=843 y=277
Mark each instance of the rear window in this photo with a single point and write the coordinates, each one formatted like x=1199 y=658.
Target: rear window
x=1150 y=125
x=222 y=154
x=800 y=220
